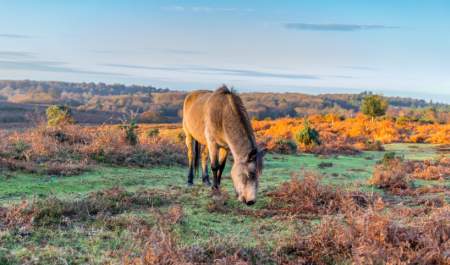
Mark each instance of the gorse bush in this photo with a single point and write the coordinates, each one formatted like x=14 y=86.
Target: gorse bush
x=59 y=115
x=308 y=135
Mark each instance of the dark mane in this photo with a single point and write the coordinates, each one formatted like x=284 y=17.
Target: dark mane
x=239 y=109
x=223 y=90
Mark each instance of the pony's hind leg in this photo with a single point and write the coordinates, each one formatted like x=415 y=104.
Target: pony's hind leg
x=190 y=153
x=205 y=175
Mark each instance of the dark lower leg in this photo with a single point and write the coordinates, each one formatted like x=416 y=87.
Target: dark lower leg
x=219 y=173
x=191 y=175
x=216 y=181
x=223 y=154
x=205 y=175
x=190 y=153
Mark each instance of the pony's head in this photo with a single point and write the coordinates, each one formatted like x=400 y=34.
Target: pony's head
x=245 y=175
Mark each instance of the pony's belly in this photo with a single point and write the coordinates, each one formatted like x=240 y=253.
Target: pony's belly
x=196 y=130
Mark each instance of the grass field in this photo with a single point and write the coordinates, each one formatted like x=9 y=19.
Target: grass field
x=107 y=238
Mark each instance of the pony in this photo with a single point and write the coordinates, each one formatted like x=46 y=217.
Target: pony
x=218 y=121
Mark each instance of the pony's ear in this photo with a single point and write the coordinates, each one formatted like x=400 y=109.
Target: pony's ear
x=263 y=151
x=252 y=155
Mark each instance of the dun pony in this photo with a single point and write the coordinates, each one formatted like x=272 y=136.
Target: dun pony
x=219 y=122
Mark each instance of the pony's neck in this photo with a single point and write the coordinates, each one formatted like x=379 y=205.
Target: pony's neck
x=241 y=139
x=241 y=150
x=241 y=143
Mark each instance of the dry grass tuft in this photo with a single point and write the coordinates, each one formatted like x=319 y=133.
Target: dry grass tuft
x=392 y=175
x=396 y=176
x=310 y=196
x=373 y=238
x=67 y=150
x=54 y=211
x=432 y=170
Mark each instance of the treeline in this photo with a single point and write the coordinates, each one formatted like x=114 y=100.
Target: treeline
x=158 y=105
x=49 y=92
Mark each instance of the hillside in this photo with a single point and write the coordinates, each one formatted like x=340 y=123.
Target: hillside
x=99 y=102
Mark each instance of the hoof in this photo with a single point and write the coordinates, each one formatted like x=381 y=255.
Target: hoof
x=190 y=185
x=206 y=182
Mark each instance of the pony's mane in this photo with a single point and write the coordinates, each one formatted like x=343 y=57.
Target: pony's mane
x=223 y=90
x=239 y=109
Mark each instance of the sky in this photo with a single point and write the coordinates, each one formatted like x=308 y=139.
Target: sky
x=397 y=47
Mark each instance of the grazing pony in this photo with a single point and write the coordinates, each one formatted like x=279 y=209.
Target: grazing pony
x=219 y=122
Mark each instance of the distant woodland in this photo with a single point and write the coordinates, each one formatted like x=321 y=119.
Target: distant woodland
x=23 y=101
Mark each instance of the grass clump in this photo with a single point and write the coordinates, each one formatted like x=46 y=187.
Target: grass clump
x=323 y=165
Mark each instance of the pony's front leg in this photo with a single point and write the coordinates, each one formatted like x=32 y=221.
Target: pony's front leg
x=214 y=157
x=190 y=153
x=223 y=155
x=205 y=175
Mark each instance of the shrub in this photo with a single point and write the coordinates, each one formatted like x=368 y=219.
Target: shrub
x=153 y=133
x=373 y=146
x=284 y=146
x=374 y=106
x=130 y=128
x=387 y=157
x=20 y=149
x=308 y=135
x=59 y=115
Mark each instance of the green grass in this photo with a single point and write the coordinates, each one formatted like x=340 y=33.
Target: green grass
x=414 y=151
x=90 y=242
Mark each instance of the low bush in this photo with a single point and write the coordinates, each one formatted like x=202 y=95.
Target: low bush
x=283 y=146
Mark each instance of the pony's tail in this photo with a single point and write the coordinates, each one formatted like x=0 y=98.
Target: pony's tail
x=196 y=157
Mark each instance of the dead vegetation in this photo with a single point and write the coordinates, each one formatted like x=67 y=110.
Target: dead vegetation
x=396 y=175
x=54 y=211
x=432 y=170
x=69 y=149
x=373 y=237
x=307 y=196
x=355 y=228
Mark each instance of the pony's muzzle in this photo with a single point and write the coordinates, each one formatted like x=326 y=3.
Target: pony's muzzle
x=250 y=203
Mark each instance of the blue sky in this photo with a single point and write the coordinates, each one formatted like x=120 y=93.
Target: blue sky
x=391 y=47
